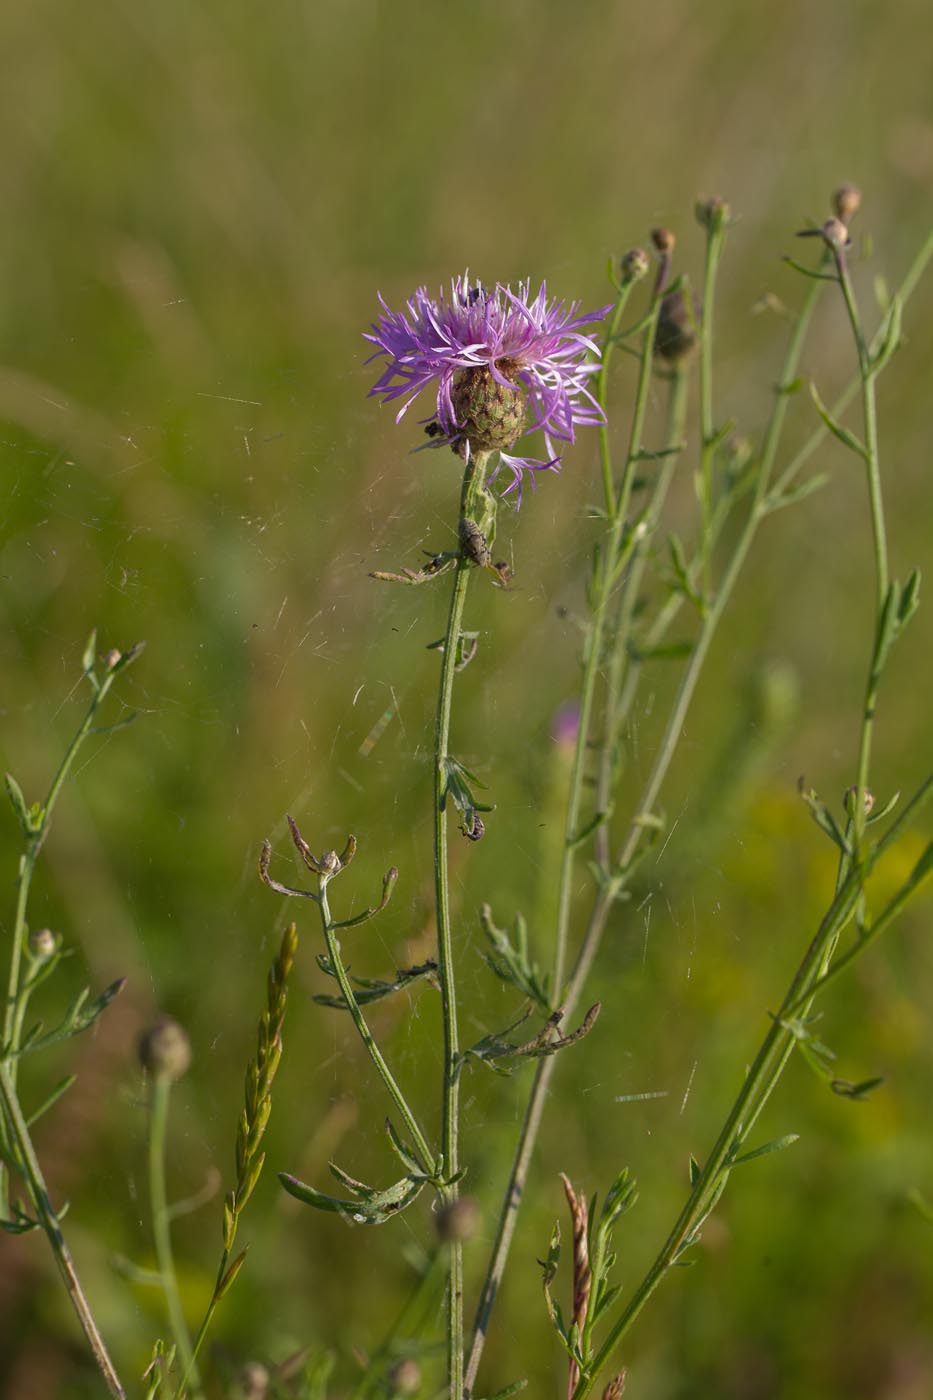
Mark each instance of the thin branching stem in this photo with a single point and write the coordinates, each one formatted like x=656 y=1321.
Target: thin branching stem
x=13 y=1012
x=879 y=534
x=814 y=971
x=610 y=888
x=611 y=562
x=48 y=1219
x=622 y=660
x=714 y=246
x=13 y=1121
x=419 y=1142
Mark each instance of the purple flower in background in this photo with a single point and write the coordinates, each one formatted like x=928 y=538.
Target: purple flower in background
x=505 y=363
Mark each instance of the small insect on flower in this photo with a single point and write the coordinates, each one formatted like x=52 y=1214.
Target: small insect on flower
x=504 y=362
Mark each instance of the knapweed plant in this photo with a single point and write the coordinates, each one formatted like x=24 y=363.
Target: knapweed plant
x=490 y=367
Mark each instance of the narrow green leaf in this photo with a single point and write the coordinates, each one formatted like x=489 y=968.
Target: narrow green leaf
x=695 y=1170
x=402 y=1150
x=857 y=1092
x=61 y=1088
x=366 y=991
x=909 y=599
x=230 y=1276
x=80 y=1017
x=890 y=336
x=776 y=1145
x=825 y=819
x=18 y=803
x=89 y=654
x=596 y=821
x=846 y=437
x=878 y=814
x=381 y=1207
x=794 y=494
x=809 y=271
x=508 y=1391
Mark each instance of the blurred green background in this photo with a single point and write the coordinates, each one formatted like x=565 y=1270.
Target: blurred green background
x=200 y=202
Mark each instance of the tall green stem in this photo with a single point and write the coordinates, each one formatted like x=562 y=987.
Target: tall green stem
x=609 y=890
x=714 y=246
x=814 y=970
x=160 y=1091
x=879 y=534
x=473 y=484
x=611 y=563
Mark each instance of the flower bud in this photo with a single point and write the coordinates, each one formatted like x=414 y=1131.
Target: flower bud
x=458 y=1221
x=615 y=1387
x=165 y=1050
x=836 y=235
x=868 y=800
x=663 y=240
x=675 y=336
x=712 y=214
x=491 y=416
x=42 y=944
x=111 y=658
x=405 y=1377
x=330 y=863
x=634 y=265
x=846 y=201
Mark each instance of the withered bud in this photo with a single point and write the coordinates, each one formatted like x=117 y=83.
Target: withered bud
x=165 y=1050
x=846 y=202
x=836 y=235
x=615 y=1387
x=675 y=336
x=712 y=214
x=42 y=944
x=851 y=797
x=663 y=239
x=111 y=658
x=253 y=1381
x=405 y=1377
x=458 y=1221
x=634 y=265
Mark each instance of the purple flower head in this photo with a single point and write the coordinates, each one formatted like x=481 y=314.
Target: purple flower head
x=505 y=363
